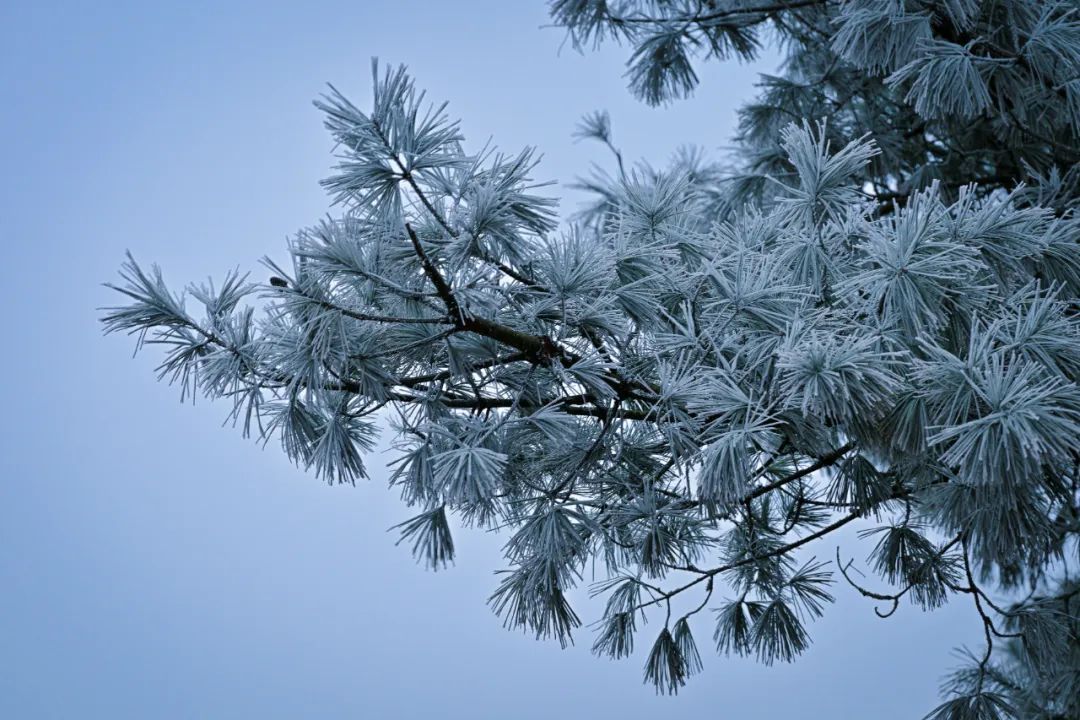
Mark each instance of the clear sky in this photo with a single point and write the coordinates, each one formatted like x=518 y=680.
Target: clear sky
x=155 y=565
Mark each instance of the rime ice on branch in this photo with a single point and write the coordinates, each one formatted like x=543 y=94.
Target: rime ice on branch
x=681 y=390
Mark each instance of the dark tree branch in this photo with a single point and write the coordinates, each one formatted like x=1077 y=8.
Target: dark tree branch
x=714 y=17
x=436 y=278
x=474 y=367
x=706 y=574
x=823 y=462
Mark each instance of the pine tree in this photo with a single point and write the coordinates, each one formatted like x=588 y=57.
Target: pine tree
x=869 y=319
x=952 y=91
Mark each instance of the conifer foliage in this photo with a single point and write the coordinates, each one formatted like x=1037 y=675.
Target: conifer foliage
x=676 y=397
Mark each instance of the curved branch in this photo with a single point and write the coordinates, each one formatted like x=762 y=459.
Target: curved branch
x=894 y=599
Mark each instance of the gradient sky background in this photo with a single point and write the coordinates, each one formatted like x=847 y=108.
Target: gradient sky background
x=155 y=565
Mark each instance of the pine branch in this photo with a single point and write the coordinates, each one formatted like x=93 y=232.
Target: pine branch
x=704 y=18
x=707 y=574
x=473 y=367
x=436 y=278
x=824 y=461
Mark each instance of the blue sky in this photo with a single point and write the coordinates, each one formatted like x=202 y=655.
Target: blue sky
x=155 y=565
